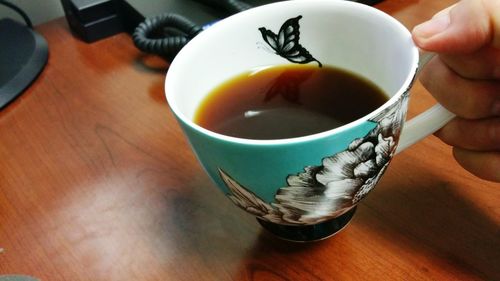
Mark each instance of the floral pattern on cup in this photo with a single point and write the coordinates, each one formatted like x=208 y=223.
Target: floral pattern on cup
x=320 y=193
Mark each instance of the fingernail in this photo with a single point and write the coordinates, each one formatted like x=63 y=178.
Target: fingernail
x=434 y=26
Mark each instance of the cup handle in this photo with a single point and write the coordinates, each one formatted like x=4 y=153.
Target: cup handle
x=427 y=122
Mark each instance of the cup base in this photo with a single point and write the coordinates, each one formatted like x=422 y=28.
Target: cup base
x=309 y=233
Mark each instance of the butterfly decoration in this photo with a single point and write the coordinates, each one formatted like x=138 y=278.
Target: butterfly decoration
x=286 y=42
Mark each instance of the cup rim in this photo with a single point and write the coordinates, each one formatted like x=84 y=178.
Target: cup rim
x=405 y=86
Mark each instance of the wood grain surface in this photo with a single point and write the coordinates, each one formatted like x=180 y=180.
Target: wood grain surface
x=97 y=182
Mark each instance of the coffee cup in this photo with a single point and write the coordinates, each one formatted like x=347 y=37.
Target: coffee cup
x=303 y=188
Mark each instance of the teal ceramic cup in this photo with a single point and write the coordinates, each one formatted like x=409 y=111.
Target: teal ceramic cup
x=305 y=188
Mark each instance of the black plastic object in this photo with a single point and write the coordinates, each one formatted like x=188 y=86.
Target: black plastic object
x=18 y=10
x=23 y=55
x=368 y=2
x=155 y=36
x=229 y=6
x=92 y=20
x=150 y=36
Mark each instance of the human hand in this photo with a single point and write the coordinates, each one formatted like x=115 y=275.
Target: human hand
x=465 y=78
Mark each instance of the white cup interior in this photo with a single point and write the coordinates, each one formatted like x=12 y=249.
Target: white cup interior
x=343 y=34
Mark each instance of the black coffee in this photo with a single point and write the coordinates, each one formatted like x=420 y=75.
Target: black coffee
x=287 y=101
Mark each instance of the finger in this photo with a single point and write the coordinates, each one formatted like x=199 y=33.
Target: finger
x=477 y=135
x=462 y=29
x=485 y=165
x=483 y=64
x=470 y=99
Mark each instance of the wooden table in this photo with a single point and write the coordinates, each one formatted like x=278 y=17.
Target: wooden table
x=97 y=182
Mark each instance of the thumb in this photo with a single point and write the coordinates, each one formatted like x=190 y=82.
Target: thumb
x=461 y=29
